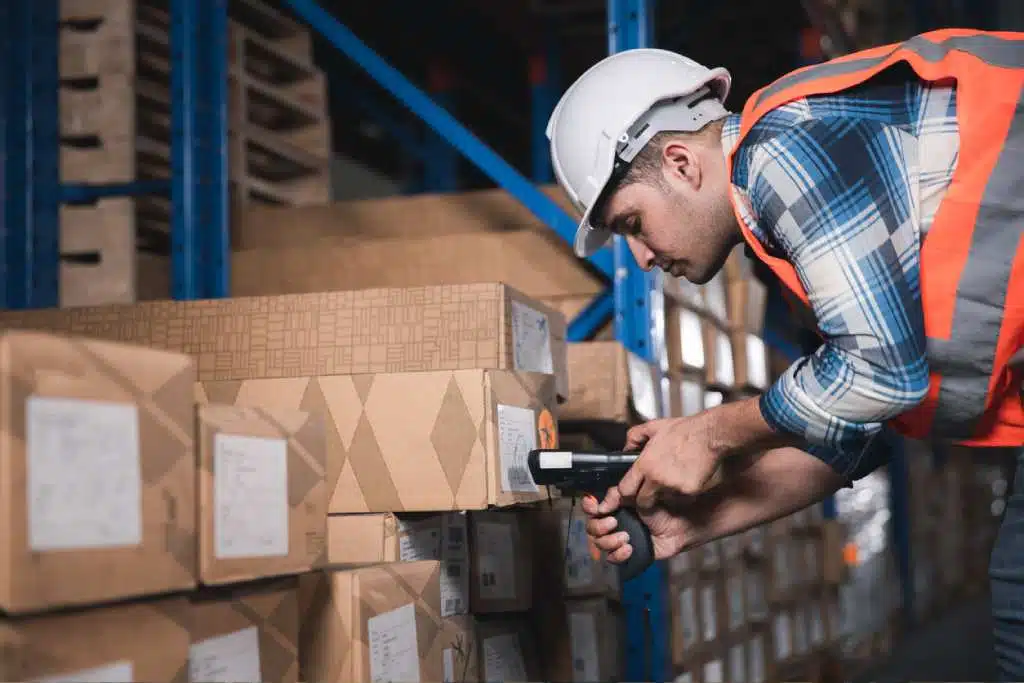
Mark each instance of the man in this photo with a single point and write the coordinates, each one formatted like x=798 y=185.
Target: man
x=883 y=189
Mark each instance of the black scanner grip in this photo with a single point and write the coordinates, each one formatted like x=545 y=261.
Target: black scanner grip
x=640 y=539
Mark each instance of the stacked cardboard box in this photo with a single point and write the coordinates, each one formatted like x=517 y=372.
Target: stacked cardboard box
x=115 y=127
x=146 y=539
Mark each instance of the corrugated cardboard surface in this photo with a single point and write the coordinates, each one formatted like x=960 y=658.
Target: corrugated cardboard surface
x=606 y=382
x=566 y=565
x=501 y=561
x=580 y=640
x=335 y=609
x=508 y=649
x=423 y=441
x=367 y=538
x=491 y=210
x=332 y=333
x=461 y=654
x=86 y=484
x=223 y=618
x=539 y=264
x=572 y=305
x=305 y=463
x=140 y=642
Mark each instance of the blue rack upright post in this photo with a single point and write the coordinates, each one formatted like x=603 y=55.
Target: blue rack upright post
x=636 y=303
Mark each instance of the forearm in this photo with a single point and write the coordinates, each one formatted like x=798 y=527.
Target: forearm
x=776 y=483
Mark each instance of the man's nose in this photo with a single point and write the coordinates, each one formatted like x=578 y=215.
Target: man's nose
x=644 y=256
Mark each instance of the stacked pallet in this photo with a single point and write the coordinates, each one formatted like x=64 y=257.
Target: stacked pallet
x=116 y=127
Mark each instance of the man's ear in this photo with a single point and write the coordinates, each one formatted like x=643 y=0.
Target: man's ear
x=681 y=163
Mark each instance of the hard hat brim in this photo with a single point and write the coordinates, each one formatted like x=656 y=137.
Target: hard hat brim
x=590 y=239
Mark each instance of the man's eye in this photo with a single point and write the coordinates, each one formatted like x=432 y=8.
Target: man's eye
x=633 y=227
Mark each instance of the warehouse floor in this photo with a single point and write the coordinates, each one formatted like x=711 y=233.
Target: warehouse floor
x=956 y=647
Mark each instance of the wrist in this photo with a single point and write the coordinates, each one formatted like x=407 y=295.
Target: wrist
x=740 y=428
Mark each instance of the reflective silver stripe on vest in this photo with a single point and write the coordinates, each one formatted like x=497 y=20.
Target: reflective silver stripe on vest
x=992 y=49
x=965 y=360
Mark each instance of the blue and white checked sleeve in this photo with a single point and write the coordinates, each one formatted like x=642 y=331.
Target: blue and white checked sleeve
x=834 y=197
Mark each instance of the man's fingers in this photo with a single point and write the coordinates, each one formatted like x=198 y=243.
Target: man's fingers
x=589 y=505
x=621 y=555
x=612 y=542
x=631 y=481
x=611 y=502
x=601 y=526
x=637 y=436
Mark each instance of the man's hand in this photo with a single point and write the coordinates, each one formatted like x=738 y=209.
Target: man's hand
x=668 y=531
x=678 y=457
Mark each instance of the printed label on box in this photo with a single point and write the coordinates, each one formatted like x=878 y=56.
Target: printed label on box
x=419 y=539
x=230 y=658
x=250 y=496
x=714 y=672
x=84 y=474
x=454 y=536
x=583 y=644
x=641 y=383
x=496 y=561
x=454 y=587
x=119 y=672
x=448 y=665
x=531 y=336
x=579 y=567
x=503 y=659
x=394 y=651
x=517 y=436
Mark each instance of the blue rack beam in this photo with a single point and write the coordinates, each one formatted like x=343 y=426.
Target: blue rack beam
x=31 y=174
x=636 y=296
x=471 y=147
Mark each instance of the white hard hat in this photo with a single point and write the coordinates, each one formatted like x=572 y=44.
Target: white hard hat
x=607 y=116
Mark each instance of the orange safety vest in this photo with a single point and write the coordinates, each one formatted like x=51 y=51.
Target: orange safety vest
x=972 y=259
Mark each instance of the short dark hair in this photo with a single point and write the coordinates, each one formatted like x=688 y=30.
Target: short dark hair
x=646 y=166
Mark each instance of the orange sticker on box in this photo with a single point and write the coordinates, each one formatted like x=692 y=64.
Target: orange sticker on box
x=547 y=431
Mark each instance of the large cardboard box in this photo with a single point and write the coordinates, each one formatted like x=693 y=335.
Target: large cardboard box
x=262 y=493
x=501 y=561
x=333 y=333
x=607 y=382
x=571 y=306
x=146 y=641
x=99 y=472
x=418 y=441
x=508 y=649
x=460 y=659
x=248 y=632
x=534 y=262
x=581 y=640
x=384 y=537
x=373 y=623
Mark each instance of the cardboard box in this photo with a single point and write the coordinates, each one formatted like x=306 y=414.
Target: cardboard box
x=501 y=562
x=146 y=641
x=508 y=649
x=246 y=633
x=347 y=616
x=580 y=640
x=607 y=382
x=564 y=565
x=571 y=306
x=460 y=657
x=453 y=327
x=262 y=493
x=418 y=441
x=99 y=463
x=383 y=537
x=537 y=263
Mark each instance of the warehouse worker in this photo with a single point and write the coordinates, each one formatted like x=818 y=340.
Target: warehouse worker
x=885 y=190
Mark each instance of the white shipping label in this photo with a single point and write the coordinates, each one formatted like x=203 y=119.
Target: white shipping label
x=709 y=613
x=84 y=474
x=737 y=664
x=714 y=672
x=454 y=587
x=783 y=642
x=579 y=567
x=641 y=384
x=454 y=536
x=495 y=550
x=531 y=336
x=583 y=645
x=756 y=670
x=692 y=339
x=394 y=651
x=119 y=672
x=685 y=677
x=230 y=658
x=692 y=397
x=737 y=614
x=517 y=436
x=757 y=362
x=503 y=659
x=688 y=617
x=448 y=665
x=419 y=539
x=250 y=496
x=724 y=371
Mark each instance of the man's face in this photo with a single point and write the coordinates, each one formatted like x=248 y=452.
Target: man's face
x=683 y=222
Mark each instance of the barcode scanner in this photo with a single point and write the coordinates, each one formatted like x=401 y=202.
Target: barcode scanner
x=585 y=472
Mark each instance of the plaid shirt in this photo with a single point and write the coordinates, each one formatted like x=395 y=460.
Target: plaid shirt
x=844 y=187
